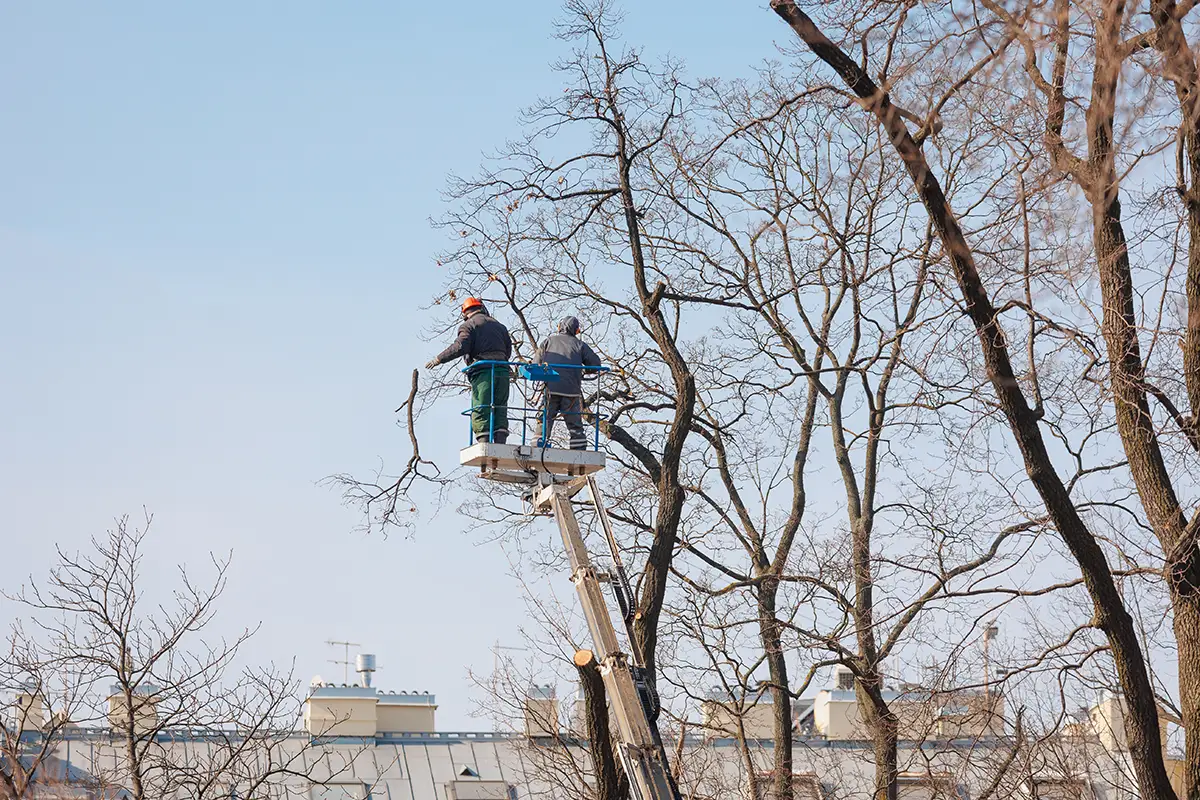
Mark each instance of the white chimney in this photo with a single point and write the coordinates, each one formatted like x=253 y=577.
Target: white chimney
x=29 y=710
x=141 y=709
x=541 y=712
x=1108 y=721
x=577 y=724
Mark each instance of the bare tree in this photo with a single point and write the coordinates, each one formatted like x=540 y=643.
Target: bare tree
x=47 y=693
x=536 y=206
x=796 y=298
x=95 y=617
x=1119 y=129
x=784 y=312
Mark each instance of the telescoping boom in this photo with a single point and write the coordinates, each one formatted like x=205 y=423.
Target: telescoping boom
x=556 y=477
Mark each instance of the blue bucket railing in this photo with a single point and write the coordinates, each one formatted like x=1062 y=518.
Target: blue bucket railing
x=530 y=379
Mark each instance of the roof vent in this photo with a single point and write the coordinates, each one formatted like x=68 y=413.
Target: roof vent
x=467 y=772
x=365 y=667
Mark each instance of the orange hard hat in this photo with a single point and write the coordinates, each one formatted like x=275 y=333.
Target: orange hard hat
x=471 y=302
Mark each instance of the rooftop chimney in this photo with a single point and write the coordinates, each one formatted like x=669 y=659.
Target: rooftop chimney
x=29 y=710
x=140 y=709
x=541 y=712
x=365 y=666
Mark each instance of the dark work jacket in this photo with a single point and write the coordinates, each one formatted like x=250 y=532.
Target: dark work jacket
x=563 y=348
x=480 y=338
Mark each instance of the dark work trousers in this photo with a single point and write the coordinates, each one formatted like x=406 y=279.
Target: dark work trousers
x=571 y=408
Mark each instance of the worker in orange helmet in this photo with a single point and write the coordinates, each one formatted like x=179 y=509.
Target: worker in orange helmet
x=481 y=338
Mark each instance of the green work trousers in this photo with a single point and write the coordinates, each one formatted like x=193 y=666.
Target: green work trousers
x=489 y=403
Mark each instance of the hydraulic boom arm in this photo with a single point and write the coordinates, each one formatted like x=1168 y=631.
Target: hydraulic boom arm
x=633 y=701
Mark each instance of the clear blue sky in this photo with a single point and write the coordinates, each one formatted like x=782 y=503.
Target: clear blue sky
x=214 y=248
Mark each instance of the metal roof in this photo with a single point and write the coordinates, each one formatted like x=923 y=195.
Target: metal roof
x=425 y=766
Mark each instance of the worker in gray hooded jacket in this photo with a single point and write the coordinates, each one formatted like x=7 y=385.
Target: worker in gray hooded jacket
x=564 y=396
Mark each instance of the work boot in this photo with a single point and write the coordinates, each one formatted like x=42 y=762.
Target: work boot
x=500 y=437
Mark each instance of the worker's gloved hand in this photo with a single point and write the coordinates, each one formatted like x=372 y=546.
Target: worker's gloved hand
x=432 y=364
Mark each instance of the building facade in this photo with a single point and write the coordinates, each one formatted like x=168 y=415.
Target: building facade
x=359 y=743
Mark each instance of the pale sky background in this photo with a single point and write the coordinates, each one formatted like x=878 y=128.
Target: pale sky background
x=214 y=249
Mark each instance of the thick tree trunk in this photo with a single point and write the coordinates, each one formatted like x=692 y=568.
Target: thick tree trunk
x=129 y=729
x=884 y=729
x=1191 y=341
x=1187 y=634
x=1127 y=372
x=1146 y=463
x=1136 y=427
x=1130 y=400
x=771 y=634
x=1171 y=41
x=1127 y=369
x=12 y=783
x=611 y=783
x=1185 y=600
x=1140 y=442
x=877 y=715
x=671 y=494
x=1110 y=614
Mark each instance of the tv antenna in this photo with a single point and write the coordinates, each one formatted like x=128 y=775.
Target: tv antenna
x=496 y=654
x=345 y=662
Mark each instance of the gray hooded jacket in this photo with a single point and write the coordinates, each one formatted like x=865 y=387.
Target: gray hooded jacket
x=566 y=348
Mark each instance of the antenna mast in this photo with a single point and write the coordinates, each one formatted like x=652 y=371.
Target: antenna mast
x=345 y=662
